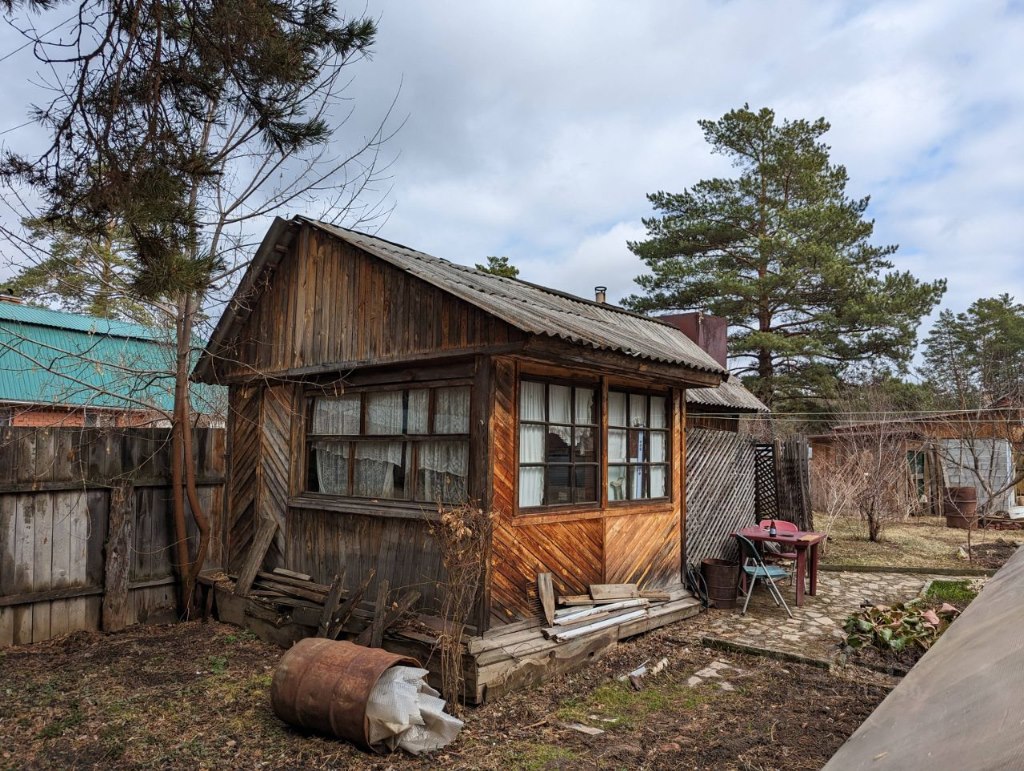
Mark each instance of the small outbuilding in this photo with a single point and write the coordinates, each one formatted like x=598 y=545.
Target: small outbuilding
x=370 y=383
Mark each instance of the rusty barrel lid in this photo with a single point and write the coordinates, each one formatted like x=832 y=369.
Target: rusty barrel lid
x=324 y=685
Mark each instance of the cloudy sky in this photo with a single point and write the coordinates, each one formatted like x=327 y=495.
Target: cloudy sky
x=535 y=129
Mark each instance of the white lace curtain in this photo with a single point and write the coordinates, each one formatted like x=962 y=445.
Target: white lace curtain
x=451 y=411
x=337 y=416
x=531 y=444
x=376 y=464
x=444 y=470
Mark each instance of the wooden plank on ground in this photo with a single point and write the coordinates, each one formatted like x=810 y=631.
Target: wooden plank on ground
x=391 y=616
x=292 y=574
x=571 y=634
x=331 y=604
x=117 y=564
x=379 y=612
x=546 y=592
x=264 y=537
x=601 y=610
x=614 y=591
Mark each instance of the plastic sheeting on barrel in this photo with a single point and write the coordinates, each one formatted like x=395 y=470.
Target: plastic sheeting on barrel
x=406 y=713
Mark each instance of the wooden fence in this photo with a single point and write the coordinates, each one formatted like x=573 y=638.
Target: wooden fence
x=77 y=506
x=719 y=492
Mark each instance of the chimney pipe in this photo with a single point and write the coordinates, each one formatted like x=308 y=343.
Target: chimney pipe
x=599 y=293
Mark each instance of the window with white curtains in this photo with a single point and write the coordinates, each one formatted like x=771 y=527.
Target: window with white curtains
x=408 y=444
x=637 y=446
x=558 y=444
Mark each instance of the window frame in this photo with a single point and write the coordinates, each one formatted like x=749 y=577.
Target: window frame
x=411 y=442
x=572 y=384
x=647 y=429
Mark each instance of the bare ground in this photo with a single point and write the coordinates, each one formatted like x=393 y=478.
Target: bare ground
x=922 y=542
x=196 y=695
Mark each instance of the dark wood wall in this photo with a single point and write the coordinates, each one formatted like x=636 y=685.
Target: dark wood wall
x=328 y=304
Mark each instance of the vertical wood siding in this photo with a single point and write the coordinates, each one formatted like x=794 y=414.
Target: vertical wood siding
x=54 y=505
x=329 y=302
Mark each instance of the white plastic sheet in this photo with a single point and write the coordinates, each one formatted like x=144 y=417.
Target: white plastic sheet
x=406 y=713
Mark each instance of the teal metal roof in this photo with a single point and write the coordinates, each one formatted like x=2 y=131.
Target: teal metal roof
x=56 y=358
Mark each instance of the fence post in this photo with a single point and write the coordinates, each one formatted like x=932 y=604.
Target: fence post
x=117 y=556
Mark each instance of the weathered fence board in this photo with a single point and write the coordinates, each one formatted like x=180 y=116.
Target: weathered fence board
x=719 y=492
x=55 y=496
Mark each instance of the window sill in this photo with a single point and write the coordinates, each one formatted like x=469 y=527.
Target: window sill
x=547 y=516
x=368 y=507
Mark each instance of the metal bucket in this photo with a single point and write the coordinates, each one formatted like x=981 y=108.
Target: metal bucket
x=961 y=507
x=722 y=579
x=324 y=685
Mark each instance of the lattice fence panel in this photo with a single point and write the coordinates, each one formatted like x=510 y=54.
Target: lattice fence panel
x=720 y=492
x=767 y=499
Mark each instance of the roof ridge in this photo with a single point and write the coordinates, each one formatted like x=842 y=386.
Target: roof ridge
x=41 y=316
x=493 y=276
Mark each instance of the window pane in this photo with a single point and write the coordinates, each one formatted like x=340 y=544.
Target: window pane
x=586 y=484
x=337 y=416
x=558 y=485
x=637 y=482
x=616 y=409
x=451 y=411
x=658 y=412
x=531 y=486
x=583 y=447
x=380 y=470
x=617 y=483
x=443 y=471
x=659 y=478
x=586 y=406
x=330 y=459
x=384 y=412
x=559 y=402
x=658 y=444
x=557 y=444
x=531 y=401
x=638 y=446
x=637 y=410
x=531 y=443
x=417 y=412
x=616 y=445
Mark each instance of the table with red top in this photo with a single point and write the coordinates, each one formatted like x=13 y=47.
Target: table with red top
x=801 y=542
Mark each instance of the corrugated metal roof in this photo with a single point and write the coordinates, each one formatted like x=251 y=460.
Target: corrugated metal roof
x=54 y=358
x=44 y=317
x=539 y=310
x=731 y=394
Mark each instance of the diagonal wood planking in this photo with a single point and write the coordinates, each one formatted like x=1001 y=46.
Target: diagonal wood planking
x=720 y=492
x=242 y=490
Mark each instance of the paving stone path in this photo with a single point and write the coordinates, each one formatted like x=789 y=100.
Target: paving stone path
x=815 y=631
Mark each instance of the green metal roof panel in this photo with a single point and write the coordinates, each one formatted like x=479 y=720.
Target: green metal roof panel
x=87 y=361
x=44 y=317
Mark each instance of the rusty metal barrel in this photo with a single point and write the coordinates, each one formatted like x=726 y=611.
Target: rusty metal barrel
x=961 y=506
x=722 y=578
x=324 y=685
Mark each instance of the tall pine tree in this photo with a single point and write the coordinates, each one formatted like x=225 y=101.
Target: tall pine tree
x=784 y=254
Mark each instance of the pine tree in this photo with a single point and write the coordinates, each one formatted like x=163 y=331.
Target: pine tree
x=784 y=254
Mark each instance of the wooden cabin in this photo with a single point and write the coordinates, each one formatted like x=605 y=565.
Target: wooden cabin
x=369 y=382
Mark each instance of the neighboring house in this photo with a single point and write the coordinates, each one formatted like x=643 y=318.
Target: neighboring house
x=982 y=448
x=368 y=381
x=71 y=370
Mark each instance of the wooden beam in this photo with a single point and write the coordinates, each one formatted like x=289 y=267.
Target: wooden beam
x=546 y=592
x=614 y=591
x=117 y=557
x=331 y=604
x=264 y=537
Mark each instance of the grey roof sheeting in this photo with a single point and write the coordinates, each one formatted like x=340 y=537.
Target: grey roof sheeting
x=540 y=310
x=731 y=394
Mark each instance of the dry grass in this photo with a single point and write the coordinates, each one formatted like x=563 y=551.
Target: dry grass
x=923 y=542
